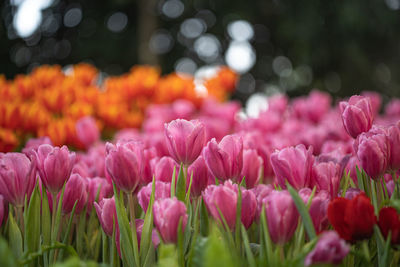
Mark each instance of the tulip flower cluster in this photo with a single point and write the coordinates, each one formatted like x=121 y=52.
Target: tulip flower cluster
x=305 y=182
x=50 y=101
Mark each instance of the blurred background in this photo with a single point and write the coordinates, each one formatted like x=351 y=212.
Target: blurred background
x=290 y=46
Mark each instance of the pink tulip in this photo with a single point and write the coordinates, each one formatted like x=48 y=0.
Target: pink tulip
x=393 y=108
x=393 y=133
x=330 y=249
x=261 y=191
x=87 y=131
x=17 y=178
x=183 y=109
x=376 y=101
x=278 y=103
x=373 y=151
x=139 y=228
x=148 y=155
x=162 y=190
x=293 y=164
x=225 y=111
x=124 y=164
x=163 y=169
x=225 y=160
x=312 y=107
x=54 y=165
x=327 y=176
x=200 y=175
x=185 y=139
x=351 y=168
x=95 y=160
x=33 y=145
x=126 y=135
x=252 y=168
x=97 y=187
x=357 y=115
x=3 y=210
x=318 y=209
x=107 y=214
x=282 y=216
x=352 y=193
x=75 y=191
x=168 y=214
x=223 y=198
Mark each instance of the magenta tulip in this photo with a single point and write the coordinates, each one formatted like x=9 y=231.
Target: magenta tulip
x=87 y=131
x=252 y=168
x=3 y=210
x=357 y=115
x=200 y=176
x=327 y=176
x=75 y=191
x=185 y=139
x=318 y=209
x=225 y=160
x=17 y=177
x=162 y=190
x=33 y=145
x=282 y=216
x=330 y=249
x=168 y=214
x=163 y=169
x=261 y=191
x=54 y=165
x=294 y=165
x=97 y=187
x=107 y=214
x=148 y=155
x=124 y=164
x=393 y=134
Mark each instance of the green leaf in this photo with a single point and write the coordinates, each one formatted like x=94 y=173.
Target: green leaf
x=305 y=216
x=147 y=229
x=265 y=237
x=360 y=180
x=187 y=200
x=217 y=252
x=168 y=256
x=204 y=221
x=250 y=257
x=32 y=222
x=173 y=182
x=198 y=252
x=46 y=224
x=181 y=184
x=6 y=256
x=238 y=222
x=14 y=237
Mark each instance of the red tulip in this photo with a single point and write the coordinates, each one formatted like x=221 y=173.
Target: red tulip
x=389 y=221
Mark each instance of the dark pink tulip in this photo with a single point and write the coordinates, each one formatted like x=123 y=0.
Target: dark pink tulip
x=17 y=177
x=185 y=139
x=318 y=209
x=164 y=168
x=139 y=228
x=393 y=134
x=351 y=168
x=54 y=165
x=107 y=214
x=200 y=176
x=223 y=198
x=376 y=101
x=3 y=210
x=33 y=145
x=326 y=176
x=282 y=216
x=225 y=160
x=293 y=164
x=75 y=190
x=97 y=187
x=252 y=168
x=357 y=115
x=162 y=190
x=87 y=131
x=330 y=249
x=148 y=155
x=124 y=163
x=373 y=151
x=261 y=191
x=167 y=215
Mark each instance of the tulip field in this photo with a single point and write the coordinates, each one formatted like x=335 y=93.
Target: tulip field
x=147 y=170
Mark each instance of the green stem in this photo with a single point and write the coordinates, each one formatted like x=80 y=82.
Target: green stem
x=133 y=228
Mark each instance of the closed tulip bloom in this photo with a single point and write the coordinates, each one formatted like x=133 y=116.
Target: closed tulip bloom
x=97 y=187
x=357 y=115
x=293 y=164
x=139 y=229
x=326 y=176
x=148 y=155
x=261 y=191
x=185 y=139
x=124 y=164
x=162 y=190
x=249 y=208
x=17 y=177
x=33 y=145
x=225 y=160
x=167 y=215
x=75 y=191
x=164 y=168
x=318 y=208
x=87 y=131
x=330 y=249
x=393 y=134
x=200 y=175
x=107 y=214
x=54 y=165
x=376 y=101
x=353 y=219
x=373 y=152
x=389 y=221
x=282 y=216
x=252 y=168
x=3 y=210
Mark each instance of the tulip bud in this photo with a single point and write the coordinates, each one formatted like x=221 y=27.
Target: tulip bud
x=326 y=176
x=33 y=145
x=252 y=168
x=225 y=160
x=17 y=177
x=163 y=169
x=124 y=164
x=97 y=187
x=393 y=134
x=75 y=191
x=54 y=165
x=87 y=131
x=162 y=190
x=357 y=115
x=318 y=209
x=168 y=214
x=185 y=139
x=200 y=175
x=261 y=191
x=282 y=216
x=107 y=214
x=330 y=249
x=293 y=164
